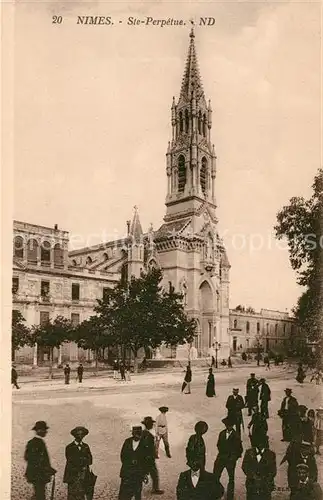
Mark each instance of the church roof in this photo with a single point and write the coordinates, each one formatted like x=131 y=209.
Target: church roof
x=191 y=79
x=170 y=229
x=135 y=228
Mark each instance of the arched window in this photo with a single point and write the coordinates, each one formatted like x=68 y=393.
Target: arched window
x=187 y=121
x=181 y=174
x=258 y=327
x=105 y=257
x=235 y=323
x=276 y=329
x=204 y=125
x=199 y=123
x=88 y=261
x=180 y=121
x=203 y=175
x=45 y=253
x=58 y=255
x=247 y=327
x=18 y=247
x=32 y=251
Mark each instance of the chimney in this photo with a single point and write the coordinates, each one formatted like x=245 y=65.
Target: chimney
x=56 y=227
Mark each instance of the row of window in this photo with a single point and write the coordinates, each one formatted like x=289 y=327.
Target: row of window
x=45 y=289
x=44 y=318
x=269 y=328
x=182 y=174
x=33 y=253
x=184 y=122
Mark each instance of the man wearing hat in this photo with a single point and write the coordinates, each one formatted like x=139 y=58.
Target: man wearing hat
x=234 y=405
x=14 y=377
x=150 y=454
x=265 y=397
x=252 y=393
x=195 y=449
x=289 y=415
x=299 y=452
x=306 y=489
x=162 y=431
x=78 y=459
x=39 y=470
x=259 y=466
x=197 y=484
x=305 y=427
x=133 y=468
x=230 y=450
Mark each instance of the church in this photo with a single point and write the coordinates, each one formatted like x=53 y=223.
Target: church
x=187 y=246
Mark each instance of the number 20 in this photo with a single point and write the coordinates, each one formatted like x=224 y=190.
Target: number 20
x=57 y=20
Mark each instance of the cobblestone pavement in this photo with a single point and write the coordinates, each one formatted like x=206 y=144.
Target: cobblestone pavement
x=110 y=410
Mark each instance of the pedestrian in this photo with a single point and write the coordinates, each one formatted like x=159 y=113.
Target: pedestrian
x=229 y=451
x=127 y=372
x=133 y=468
x=305 y=488
x=187 y=379
x=122 y=372
x=234 y=405
x=212 y=361
x=252 y=393
x=14 y=377
x=259 y=428
x=77 y=469
x=67 y=373
x=223 y=362
x=229 y=362
x=318 y=425
x=244 y=357
x=300 y=377
x=311 y=417
x=259 y=466
x=195 y=449
x=265 y=397
x=299 y=453
x=305 y=425
x=317 y=376
x=162 y=431
x=80 y=370
x=150 y=454
x=288 y=412
x=197 y=484
x=267 y=362
x=210 y=386
x=39 y=470
x=115 y=369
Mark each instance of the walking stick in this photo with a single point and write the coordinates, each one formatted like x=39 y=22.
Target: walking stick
x=52 y=494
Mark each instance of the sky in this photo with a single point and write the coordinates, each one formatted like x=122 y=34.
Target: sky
x=92 y=122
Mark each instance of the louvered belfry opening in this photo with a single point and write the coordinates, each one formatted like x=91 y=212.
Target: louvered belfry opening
x=203 y=175
x=181 y=174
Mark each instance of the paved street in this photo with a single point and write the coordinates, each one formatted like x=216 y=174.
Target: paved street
x=109 y=408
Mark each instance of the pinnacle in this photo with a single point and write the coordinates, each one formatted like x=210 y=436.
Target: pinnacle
x=191 y=79
x=135 y=229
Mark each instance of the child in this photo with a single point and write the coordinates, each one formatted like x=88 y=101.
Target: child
x=318 y=425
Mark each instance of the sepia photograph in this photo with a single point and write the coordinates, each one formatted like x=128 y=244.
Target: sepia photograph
x=163 y=197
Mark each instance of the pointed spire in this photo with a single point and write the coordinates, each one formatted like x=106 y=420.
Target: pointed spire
x=135 y=229
x=191 y=78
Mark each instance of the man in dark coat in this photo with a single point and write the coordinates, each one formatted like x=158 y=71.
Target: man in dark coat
x=80 y=370
x=195 y=449
x=265 y=397
x=305 y=426
x=67 y=373
x=39 y=470
x=259 y=427
x=148 y=440
x=14 y=377
x=78 y=459
x=230 y=450
x=289 y=415
x=187 y=379
x=259 y=466
x=133 y=468
x=234 y=405
x=252 y=393
x=299 y=453
x=306 y=489
x=197 y=484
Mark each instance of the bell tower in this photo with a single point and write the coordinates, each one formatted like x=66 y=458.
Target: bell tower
x=191 y=159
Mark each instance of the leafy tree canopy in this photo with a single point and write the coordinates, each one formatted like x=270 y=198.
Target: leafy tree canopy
x=54 y=332
x=21 y=334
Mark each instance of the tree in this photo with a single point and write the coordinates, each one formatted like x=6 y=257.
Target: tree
x=141 y=314
x=53 y=334
x=300 y=223
x=93 y=334
x=20 y=333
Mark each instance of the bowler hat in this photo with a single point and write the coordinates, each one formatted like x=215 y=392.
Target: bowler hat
x=235 y=389
x=288 y=389
x=163 y=409
x=40 y=425
x=228 y=421
x=79 y=430
x=252 y=374
x=148 y=420
x=201 y=427
x=136 y=428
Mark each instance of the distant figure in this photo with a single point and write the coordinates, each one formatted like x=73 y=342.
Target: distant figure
x=212 y=361
x=210 y=386
x=265 y=397
x=80 y=370
x=259 y=466
x=229 y=362
x=197 y=484
x=162 y=431
x=127 y=374
x=223 y=362
x=244 y=356
x=187 y=379
x=78 y=460
x=252 y=393
x=318 y=425
x=39 y=470
x=122 y=371
x=14 y=377
x=67 y=373
x=267 y=362
x=195 y=449
x=305 y=488
x=288 y=412
x=115 y=369
x=300 y=377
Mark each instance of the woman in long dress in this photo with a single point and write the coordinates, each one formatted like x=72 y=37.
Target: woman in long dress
x=210 y=386
x=300 y=374
x=78 y=460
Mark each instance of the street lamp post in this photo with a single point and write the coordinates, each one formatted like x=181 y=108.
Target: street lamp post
x=217 y=347
x=258 y=352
